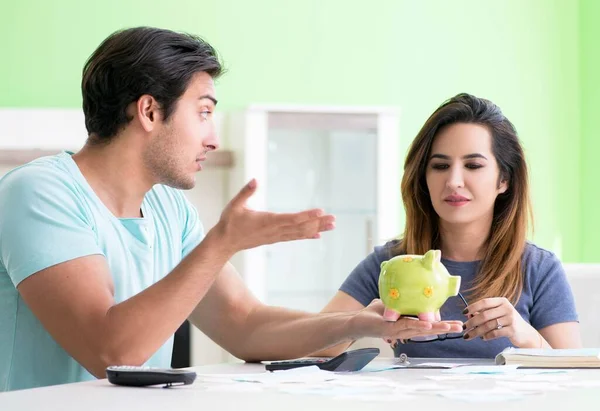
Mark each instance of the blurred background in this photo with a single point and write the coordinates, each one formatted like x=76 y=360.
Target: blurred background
x=390 y=61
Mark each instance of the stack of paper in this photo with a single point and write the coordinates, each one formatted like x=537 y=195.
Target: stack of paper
x=550 y=358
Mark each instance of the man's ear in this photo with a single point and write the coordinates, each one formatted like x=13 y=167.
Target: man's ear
x=148 y=112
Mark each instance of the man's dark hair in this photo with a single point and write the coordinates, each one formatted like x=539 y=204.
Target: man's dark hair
x=138 y=61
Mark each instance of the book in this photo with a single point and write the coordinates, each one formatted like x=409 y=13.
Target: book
x=550 y=358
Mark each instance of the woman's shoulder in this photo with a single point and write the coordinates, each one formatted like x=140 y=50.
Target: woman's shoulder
x=537 y=259
x=386 y=251
x=535 y=253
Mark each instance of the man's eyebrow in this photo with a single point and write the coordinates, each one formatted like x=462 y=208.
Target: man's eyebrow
x=208 y=96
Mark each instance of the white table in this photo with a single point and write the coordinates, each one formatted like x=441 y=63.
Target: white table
x=100 y=395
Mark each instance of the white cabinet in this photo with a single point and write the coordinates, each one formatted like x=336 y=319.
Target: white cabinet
x=343 y=159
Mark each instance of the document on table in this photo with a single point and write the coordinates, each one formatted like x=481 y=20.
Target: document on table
x=506 y=383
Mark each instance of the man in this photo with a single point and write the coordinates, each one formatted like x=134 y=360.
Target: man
x=101 y=255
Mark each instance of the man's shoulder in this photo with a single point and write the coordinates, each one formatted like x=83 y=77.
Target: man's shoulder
x=43 y=174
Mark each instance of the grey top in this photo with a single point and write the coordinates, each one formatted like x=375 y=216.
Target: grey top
x=546 y=299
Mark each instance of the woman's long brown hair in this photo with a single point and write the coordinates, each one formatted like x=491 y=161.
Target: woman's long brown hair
x=500 y=271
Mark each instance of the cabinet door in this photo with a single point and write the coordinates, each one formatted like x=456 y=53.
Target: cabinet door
x=320 y=161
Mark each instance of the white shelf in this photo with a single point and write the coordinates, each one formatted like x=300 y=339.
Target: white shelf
x=29 y=133
x=16 y=157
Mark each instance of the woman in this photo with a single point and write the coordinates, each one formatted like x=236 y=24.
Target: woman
x=465 y=191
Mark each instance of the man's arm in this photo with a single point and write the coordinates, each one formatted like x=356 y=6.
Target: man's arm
x=74 y=300
x=232 y=317
x=340 y=302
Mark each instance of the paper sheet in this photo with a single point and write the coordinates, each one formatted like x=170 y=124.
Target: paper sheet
x=378 y=367
x=299 y=375
x=394 y=364
x=482 y=396
x=482 y=369
x=506 y=383
x=373 y=398
x=581 y=384
x=517 y=375
x=294 y=375
x=441 y=365
x=520 y=386
x=457 y=377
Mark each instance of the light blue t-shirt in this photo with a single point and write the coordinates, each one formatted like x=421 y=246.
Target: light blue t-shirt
x=546 y=299
x=48 y=215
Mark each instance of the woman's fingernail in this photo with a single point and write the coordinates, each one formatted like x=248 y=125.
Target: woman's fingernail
x=465 y=311
x=464 y=326
x=466 y=336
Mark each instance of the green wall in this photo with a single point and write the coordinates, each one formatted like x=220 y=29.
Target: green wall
x=523 y=55
x=590 y=138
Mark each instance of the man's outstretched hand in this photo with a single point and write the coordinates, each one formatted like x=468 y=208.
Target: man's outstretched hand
x=244 y=228
x=369 y=322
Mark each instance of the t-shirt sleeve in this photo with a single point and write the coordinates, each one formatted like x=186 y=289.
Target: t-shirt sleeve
x=363 y=282
x=193 y=230
x=42 y=222
x=553 y=300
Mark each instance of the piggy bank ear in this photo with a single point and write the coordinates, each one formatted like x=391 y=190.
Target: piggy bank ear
x=438 y=256
x=383 y=264
x=429 y=258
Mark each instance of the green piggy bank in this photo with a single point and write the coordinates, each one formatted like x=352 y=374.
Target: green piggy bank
x=415 y=285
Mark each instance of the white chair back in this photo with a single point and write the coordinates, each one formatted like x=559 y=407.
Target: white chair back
x=585 y=283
